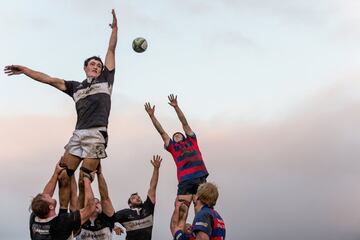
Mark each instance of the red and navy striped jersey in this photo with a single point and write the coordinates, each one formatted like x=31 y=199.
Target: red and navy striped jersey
x=188 y=159
x=209 y=221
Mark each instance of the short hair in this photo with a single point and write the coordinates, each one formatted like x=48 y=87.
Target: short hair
x=129 y=200
x=208 y=194
x=86 y=62
x=39 y=206
x=178 y=133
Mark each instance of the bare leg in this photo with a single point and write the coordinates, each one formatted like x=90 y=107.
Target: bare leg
x=73 y=195
x=186 y=199
x=90 y=164
x=71 y=162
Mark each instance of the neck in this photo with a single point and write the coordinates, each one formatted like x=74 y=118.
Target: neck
x=94 y=216
x=198 y=207
x=52 y=213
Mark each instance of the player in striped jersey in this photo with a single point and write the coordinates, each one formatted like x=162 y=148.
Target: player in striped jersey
x=191 y=170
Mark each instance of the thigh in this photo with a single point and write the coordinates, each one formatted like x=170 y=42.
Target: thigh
x=93 y=144
x=90 y=163
x=70 y=161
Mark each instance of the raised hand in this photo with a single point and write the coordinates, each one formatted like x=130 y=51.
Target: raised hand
x=173 y=100
x=13 y=70
x=150 y=110
x=156 y=161
x=114 y=22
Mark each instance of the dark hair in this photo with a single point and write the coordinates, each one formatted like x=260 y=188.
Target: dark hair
x=131 y=196
x=178 y=133
x=39 y=206
x=95 y=58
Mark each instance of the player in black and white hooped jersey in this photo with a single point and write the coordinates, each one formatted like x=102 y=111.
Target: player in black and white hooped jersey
x=138 y=218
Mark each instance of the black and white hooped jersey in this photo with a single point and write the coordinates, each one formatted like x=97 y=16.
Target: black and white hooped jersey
x=100 y=228
x=92 y=99
x=138 y=222
x=57 y=228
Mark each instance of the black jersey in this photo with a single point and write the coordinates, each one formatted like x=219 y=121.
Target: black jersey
x=100 y=228
x=138 y=222
x=92 y=99
x=57 y=228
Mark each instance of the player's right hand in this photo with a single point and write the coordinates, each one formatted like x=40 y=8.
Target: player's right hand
x=13 y=70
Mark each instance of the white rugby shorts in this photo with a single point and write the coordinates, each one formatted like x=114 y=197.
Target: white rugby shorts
x=88 y=143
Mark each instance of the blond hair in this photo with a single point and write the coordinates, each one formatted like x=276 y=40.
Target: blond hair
x=208 y=194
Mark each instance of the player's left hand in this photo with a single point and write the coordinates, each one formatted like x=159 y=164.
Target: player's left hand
x=173 y=100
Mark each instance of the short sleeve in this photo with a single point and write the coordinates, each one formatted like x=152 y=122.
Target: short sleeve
x=66 y=223
x=202 y=222
x=120 y=216
x=109 y=220
x=70 y=87
x=109 y=75
x=149 y=205
x=170 y=146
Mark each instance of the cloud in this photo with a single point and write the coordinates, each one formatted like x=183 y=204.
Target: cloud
x=293 y=178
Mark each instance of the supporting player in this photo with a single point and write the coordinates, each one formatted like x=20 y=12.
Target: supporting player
x=101 y=222
x=93 y=100
x=138 y=219
x=207 y=224
x=191 y=170
x=45 y=224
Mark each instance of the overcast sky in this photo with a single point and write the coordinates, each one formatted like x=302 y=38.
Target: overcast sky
x=271 y=87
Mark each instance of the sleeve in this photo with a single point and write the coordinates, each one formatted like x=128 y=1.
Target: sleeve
x=120 y=216
x=109 y=220
x=109 y=75
x=202 y=222
x=70 y=87
x=169 y=147
x=69 y=221
x=192 y=136
x=149 y=205
x=31 y=221
x=180 y=235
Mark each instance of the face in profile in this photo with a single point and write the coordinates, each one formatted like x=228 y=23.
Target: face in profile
x=93 y=68
x=178 y=137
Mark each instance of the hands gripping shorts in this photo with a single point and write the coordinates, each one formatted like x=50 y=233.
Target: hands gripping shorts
x=88 y=143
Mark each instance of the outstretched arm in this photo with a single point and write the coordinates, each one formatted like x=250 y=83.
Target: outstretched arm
x=178 y=219
x=106 y=203
x=38 y=76
x=110 y=55
x=51 y=185
x=156 y=162
x=181 y=116
x=89 y=208
x=151 y=111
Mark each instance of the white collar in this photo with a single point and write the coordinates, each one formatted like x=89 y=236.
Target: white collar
x=137 y=210
x=41 y=220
